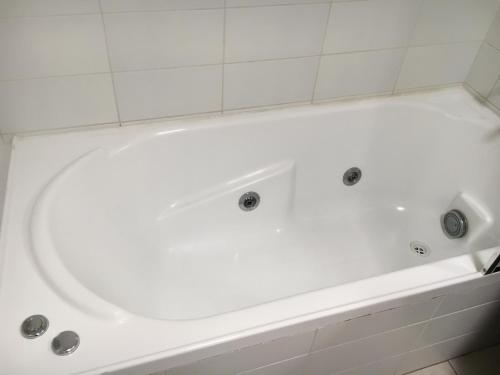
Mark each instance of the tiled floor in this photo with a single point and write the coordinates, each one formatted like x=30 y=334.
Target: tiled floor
x=484 y=362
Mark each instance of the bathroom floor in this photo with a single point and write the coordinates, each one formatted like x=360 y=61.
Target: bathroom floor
x=483 y=362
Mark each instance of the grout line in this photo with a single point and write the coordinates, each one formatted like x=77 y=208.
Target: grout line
x=161 y=10
x=446 y=43
x=474 y=61
x=208 y=115
x=491 y=45
x=414 y=345
x=310 y=350
x=484 y=101
x=109 y=65
x=219 y=8
x=436 y=309
x=414 y=89
x=207 y=65
x=266 y=107
x=63 y=129
x=398 y=77
x=318 y=65
x=134 y=11
x=182 y=117
x=453 y=368
x=223 y=56
x=405 y=56
x=53 y=76
x=50 y=15
x=492 y=88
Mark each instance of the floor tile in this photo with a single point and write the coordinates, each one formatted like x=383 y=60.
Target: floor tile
x=483 y=362
x=439 y=369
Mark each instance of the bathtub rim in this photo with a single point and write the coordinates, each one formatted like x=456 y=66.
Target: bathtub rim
x=466 y=266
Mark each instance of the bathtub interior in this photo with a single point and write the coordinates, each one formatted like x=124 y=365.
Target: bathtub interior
x=154 y=226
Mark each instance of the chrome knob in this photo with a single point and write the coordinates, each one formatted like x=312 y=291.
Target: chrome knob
x=65 y=343
x=34 y=326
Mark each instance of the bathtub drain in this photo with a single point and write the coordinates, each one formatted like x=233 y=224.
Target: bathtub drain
x=249 y=201
x=420 y=248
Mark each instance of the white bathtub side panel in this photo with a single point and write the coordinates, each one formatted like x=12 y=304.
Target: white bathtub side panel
x=249 y=358
x=364 y=351
x=465 y=328
x=371 y=324
x=387 y=366
x=409 y=308
x=445 y=350
x=294 y=366
x=476 y=319
x=470 y=295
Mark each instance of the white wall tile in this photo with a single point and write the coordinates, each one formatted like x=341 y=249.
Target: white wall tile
x=468 y=297
x=358 y=73
x=494 y=97
x=275 y=32
x=168 y=92
x=294 y=366
x=151 y=5
x=51 y=46
x=65 y=38
x=484 y=72
x=249 y=358
x=493 y=36
x=151 y=40
x=457 y=324
x=444 y=21
x=19 y=8
x=336 y=334
x=437 y=65
x=365 y=25
x=364 y=351
x=269 y=82
x=245 y=3
x=58 y=102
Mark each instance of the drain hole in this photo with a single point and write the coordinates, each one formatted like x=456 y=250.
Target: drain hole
x=352 y=176
x=249 y=201
x=420 y=248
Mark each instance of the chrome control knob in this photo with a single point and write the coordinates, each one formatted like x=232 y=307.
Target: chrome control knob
x=65 y=343
x=34 y=326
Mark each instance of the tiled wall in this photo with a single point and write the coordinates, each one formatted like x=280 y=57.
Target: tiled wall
x=69 y=63
x=389 y=339
x=484 y=76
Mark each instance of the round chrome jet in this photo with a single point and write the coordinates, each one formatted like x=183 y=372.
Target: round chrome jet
x=454 y=224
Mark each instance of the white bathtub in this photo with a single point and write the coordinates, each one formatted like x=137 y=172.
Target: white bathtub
x=134 y=238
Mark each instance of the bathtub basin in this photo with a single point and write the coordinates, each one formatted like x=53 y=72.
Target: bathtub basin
x=139 y=230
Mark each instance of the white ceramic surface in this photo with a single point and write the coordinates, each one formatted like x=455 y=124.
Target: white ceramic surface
x=133 y=237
